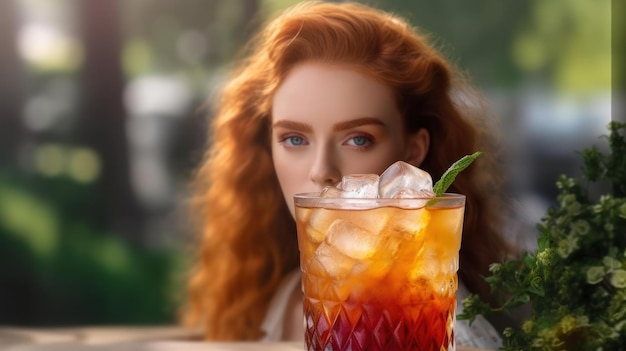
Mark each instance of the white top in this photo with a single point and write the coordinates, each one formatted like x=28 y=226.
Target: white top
x=481 y=334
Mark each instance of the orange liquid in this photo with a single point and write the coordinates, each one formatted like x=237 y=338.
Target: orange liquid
x=390 y=285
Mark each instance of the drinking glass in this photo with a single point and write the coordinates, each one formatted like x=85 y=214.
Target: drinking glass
x=379 y=274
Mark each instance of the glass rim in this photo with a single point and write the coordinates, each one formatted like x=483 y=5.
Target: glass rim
x=312 y=199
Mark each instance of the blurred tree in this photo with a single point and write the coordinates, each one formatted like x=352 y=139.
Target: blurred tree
x=157 y=26
x=618 y=60
x=60 y=270
x=11 y=130
x=166 y=31
x=250 y=16
x=230 y=26
x=475 y=35
x=103 y=117
x=569 y=43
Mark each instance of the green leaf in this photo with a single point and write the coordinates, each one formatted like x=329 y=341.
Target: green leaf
x=448 y=177
x=553 y=280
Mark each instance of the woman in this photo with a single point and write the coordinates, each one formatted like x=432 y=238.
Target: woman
x=326 y=90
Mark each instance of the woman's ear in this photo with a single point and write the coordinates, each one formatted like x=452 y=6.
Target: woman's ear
x=417 y=145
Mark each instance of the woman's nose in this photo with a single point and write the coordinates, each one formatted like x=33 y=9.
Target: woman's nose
x=324 y=170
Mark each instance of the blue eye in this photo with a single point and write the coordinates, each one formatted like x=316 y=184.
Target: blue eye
x=360 y=141
x=295 y=140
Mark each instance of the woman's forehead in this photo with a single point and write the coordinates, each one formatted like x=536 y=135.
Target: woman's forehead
x=312 y=89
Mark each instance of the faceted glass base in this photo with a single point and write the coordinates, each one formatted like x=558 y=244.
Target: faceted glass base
x=345 y=326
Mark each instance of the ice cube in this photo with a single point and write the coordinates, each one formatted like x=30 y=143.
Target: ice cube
x=360 y=186
x=409 y=224
x=373 y=270
x=332 y=261
x=352 y=240
x=331 y=191
x=374 y=220
x=432 y=265
x=402 y=180
x=319 y=222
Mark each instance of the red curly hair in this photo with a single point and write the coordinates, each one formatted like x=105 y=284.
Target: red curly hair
x=248 y=240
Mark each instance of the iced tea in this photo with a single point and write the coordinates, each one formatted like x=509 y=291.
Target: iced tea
x=379 y=274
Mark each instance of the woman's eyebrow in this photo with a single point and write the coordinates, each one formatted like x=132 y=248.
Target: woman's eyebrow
x=303 y=127
x=299 y=126
x=356 y=123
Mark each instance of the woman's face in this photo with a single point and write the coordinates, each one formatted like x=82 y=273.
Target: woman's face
x=329 y=121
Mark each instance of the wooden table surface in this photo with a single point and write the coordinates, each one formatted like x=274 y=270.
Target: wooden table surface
x=126 y=339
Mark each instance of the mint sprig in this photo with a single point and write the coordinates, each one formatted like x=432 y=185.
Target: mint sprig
x=449 y=176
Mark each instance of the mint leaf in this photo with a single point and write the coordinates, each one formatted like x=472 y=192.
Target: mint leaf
x=448 y=177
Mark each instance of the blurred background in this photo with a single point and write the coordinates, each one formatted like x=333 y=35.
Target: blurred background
x=102 y=121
